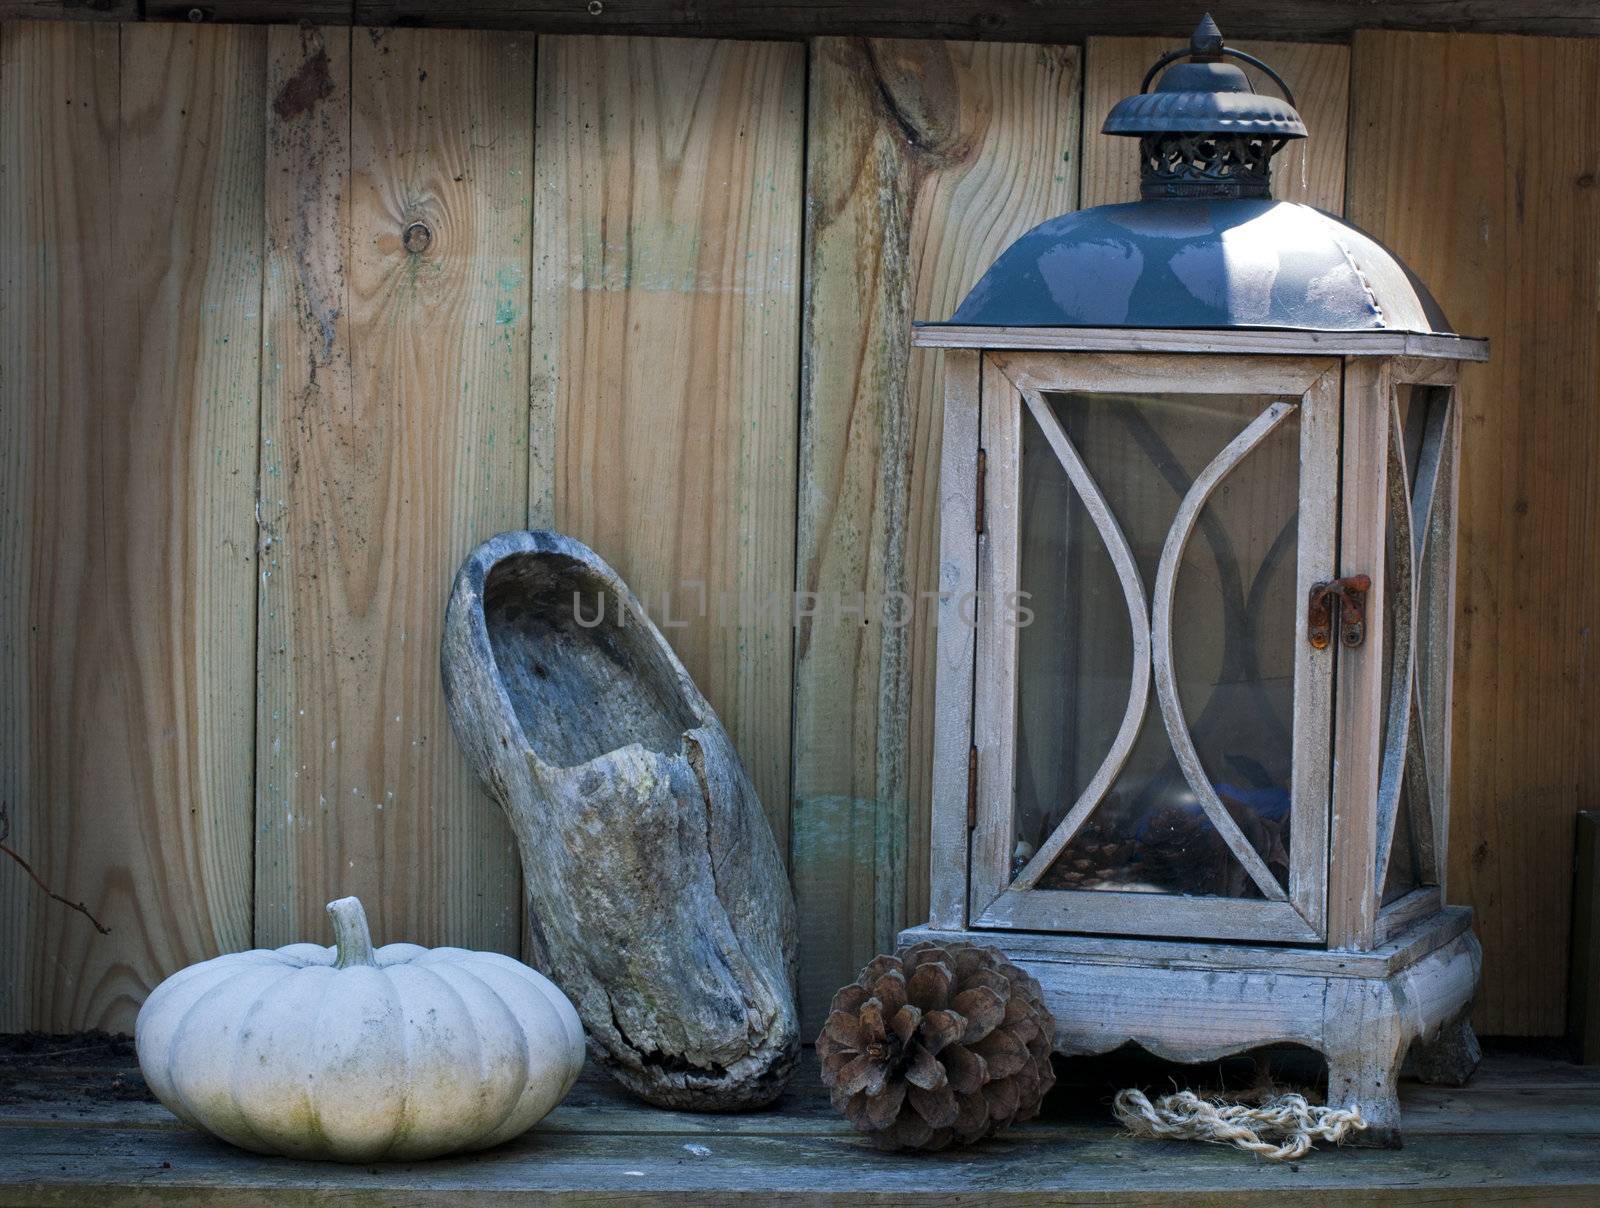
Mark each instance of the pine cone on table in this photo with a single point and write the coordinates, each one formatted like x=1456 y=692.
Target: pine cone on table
x=942 y=1044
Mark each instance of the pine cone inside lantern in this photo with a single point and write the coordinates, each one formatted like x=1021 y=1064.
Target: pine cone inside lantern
x=942 y=1044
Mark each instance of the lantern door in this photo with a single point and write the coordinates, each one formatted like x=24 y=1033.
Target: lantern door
x=1152 y=723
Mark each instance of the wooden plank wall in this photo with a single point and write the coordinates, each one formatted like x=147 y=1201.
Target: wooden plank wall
x=1476 y=159
x=247 y=432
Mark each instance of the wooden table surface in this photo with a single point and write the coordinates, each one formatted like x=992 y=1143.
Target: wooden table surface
x=78 y=1128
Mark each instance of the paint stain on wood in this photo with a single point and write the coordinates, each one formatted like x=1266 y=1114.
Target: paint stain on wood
x=301 y=92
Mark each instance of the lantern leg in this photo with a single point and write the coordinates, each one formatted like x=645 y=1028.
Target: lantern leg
x=1357 y=1078
x=1364 y=1043
x=1449 y=1058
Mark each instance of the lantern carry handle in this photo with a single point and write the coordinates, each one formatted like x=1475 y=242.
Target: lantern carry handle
x=1277 y=79
x=1206 y=45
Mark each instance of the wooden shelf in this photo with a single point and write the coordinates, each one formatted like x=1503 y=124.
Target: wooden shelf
x=1525 y=1129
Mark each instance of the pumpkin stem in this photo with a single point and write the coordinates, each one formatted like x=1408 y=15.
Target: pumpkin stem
x=351 y=935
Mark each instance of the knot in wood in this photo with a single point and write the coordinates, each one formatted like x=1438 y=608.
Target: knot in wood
x=417 y=238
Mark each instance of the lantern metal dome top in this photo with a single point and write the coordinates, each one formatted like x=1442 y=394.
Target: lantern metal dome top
x=1206 y=247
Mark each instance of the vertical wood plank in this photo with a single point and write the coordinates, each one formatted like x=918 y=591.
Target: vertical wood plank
x=59 y=109
x=393 y=439
x=995 y=702
x=1459 y=164
x=1317 y=542
x=925 y=160
x=955 y=642
x=1358 y=693
x=666 y=301
x=1309 y=170
x=130 y=257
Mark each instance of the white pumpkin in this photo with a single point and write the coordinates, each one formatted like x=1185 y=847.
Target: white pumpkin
x=356 y=1055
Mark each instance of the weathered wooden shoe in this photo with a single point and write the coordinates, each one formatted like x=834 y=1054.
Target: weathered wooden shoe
x=656 y=896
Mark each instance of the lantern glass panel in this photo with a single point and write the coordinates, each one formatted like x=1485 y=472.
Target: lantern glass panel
x=1403 y=875
x=1233 y=642
x=1417 y=570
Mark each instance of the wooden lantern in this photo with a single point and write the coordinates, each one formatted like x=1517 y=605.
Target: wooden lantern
x=1193 y=701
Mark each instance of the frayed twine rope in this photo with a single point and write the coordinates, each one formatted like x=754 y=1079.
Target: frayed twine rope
x=1185 y=1116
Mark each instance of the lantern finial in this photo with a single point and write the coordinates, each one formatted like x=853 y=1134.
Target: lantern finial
x=1204 y=131
x=1206 y=39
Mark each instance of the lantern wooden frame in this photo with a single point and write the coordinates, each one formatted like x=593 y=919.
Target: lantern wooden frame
x=1323 y=961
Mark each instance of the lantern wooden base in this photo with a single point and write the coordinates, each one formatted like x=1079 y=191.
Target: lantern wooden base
x=1194 y=1002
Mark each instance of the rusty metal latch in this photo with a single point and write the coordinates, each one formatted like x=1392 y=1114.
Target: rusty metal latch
x=983 y=478
x=972 y=788
x=1351 y=593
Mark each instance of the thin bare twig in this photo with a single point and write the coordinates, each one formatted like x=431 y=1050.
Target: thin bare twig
x=5 y=833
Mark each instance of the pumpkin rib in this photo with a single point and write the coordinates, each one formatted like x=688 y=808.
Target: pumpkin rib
x=147 y=1028
x=577 y=1044
x=403 y=1118
x=404 y=954
x=549 y=992
x=181 y=1034
x=397 y=1036
x=513 y=1027
x=242 y=1094
x=531 y=1100
x=398 y=1150
x=297 y=956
